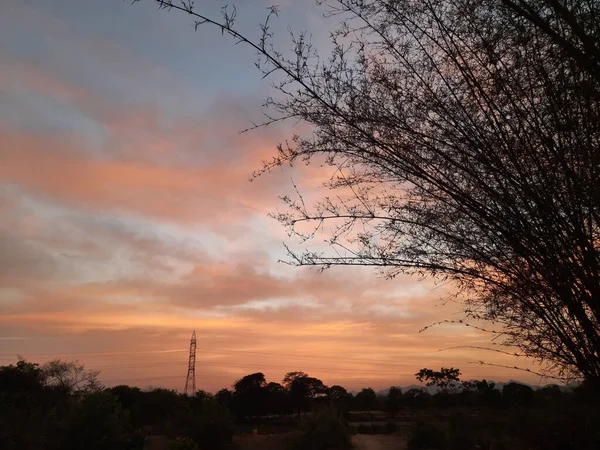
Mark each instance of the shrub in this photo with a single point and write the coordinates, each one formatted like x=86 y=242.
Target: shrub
x=183 y=444
x=324 y=430
x=211 y=425
x=427 y=437
x=390 y=427
x=363 y=429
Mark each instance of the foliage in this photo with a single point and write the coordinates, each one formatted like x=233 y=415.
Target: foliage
x=445 y=379
x=209 y=424
x=95 y=422
x=303 y=390
x=70 y=376
x=375 y=428
x=183 y=444
x=59 y=406
x=424 y=436
x=517 y=393
x=462 y=137
x=366 y=400
x=248 y=396
x=339 y=398
x=324 y=430
x=393 y=401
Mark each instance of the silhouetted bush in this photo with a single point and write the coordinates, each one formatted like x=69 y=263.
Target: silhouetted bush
x=390 y=427
x=325 y=430
x=377 y=428
x=207 y=423
x=518 y=394
x=427 y=437
x=184 y=444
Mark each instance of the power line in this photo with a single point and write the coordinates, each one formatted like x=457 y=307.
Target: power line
x=258 y=366
x=218 y=351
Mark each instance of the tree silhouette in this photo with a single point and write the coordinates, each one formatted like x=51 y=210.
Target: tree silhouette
x=517 y=393
x=366 y=400
x=302 y=390
x=70 y=376
x=444 y=379
x=249 y=395
x=339 y=398
x=393 y=401
x=463 y=138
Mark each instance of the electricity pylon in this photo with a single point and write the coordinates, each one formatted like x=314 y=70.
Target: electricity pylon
x=190 y=381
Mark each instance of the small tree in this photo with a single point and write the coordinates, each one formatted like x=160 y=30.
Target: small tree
x=250 y=395
x=393 y=401
x=302 y=390
x=444 y=379
x=71 y=376
x=518 y=393
x=366 y=400
x=339 y=398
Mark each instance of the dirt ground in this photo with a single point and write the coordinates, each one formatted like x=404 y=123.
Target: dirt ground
x=279 y=442
x=378 y=442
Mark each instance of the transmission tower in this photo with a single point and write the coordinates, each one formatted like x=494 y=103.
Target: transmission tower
x=190 y=381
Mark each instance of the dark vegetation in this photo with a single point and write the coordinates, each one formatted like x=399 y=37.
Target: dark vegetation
x=42 y=408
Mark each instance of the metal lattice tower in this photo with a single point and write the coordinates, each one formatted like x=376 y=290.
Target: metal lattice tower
x=190 y=381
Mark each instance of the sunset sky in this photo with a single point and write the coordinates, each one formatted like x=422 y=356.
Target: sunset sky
x=127 y=218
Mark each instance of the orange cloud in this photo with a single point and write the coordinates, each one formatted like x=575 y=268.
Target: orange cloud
x=114 y=245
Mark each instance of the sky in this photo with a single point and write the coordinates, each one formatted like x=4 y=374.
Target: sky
x=127 y=218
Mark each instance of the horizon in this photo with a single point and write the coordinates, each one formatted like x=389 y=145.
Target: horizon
x=129 y=218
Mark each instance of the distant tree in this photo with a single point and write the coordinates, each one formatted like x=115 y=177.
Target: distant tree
x=485 y=392
x=208 y=423
x=224 y=397
x=250 y=395
x=289 y=378
x=417 y=398
x=127 y=396
x=366 y=400
x=70 y=376
x=393 y=401
x=517 y=393
x=96 y=422
x=303 y=390
x=445 y=379
x=250 y=383
x=462 y=136
x=277 y=399
x=23 y=405
x=24 y=376
x=339 y=398
x=157 y=407
x=549 y=393
x=324 y=430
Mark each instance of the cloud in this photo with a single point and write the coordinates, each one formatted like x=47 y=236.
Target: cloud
x=128 y=220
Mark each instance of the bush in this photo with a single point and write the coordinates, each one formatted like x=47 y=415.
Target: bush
x=325 y=430
x=364 y=429
x=390 y=427
x=374 y=428
x=211 y=425
x=427 y=437
x=183 y=444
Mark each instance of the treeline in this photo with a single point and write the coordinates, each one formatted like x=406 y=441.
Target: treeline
x=61 y=405
x=254 y=397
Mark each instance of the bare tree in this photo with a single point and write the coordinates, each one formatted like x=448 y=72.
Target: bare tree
x=464 y=141
x=71 y=376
